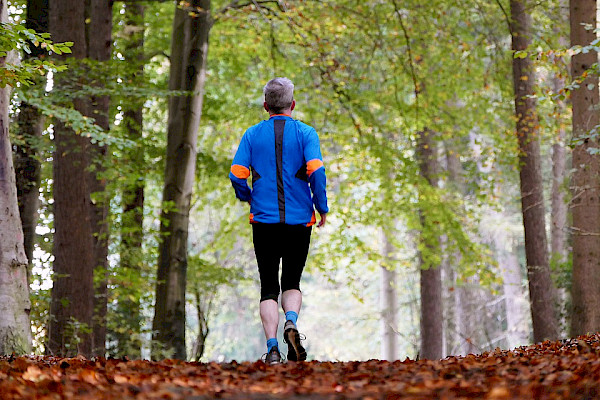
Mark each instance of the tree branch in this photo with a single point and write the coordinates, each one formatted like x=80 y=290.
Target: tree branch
x=413 y=72
x=506 y=16
x=236 y=5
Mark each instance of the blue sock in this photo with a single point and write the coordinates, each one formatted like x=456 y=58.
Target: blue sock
x=272 y=343
x=291 y=316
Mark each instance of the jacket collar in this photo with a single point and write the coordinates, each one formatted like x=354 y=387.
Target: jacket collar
x=280 y=116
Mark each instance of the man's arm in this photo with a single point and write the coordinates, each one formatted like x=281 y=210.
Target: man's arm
x=316 y=174
x=240 y=171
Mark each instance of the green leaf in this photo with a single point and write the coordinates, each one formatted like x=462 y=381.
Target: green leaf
x=520 y=54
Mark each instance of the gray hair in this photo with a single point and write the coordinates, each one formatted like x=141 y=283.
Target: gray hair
x=279 y=94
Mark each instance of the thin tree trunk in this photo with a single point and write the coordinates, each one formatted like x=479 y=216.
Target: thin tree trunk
x=389 y=303
x=128 y=305
x=558 y=231
x=517 y=325
x=455 y=304
x=431 y=278
x=202 y=309
x=585 y=183
x=446 y=276
x=559 y=155
x=99 y=40
x=15 y=331
x=559 y=205
x=541 y=289
x=71 y=307
x=30 y=124
x=188 y=71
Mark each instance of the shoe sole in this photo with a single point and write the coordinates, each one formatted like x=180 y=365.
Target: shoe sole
x=295 y=352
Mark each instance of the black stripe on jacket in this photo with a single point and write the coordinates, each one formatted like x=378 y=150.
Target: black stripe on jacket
x=279 y=125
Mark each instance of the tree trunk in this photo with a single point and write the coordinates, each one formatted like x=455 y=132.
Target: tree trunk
x=188 y=71
x=431 y=278
x=71 y=307
x=559 y=158
x=99 y=40
x=517 y=321
x=15 y=331
x=203 y=308
x=541 y=289
x=585 y=181
x=389 y=307
x=132 y=235
x=558 y=231
x=30 y=124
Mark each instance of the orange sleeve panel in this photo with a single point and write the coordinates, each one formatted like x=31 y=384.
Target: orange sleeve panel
x=313 y=220
x=240 y=171
x=313 y=165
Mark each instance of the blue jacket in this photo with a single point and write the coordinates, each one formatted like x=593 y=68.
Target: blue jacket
x=283 y=156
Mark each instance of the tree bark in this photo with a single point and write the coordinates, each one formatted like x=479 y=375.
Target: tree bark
x=389 y=303
x=541 y=289
x=188 y=72
x=585 y=183
x=559 y=213
x=99 y=44
x=30 y=123
x=15 y=331
x=431 y=278
x=132 y=235
x=203 y=308
x=559 y=205
x=559 y=155
x=71 y=306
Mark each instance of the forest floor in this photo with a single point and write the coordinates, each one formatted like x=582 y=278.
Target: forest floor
x=550 y=370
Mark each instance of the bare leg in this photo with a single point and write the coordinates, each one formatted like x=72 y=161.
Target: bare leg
x=269 y=314
x=291 y=300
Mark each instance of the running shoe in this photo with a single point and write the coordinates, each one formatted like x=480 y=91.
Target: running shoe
x=272 y=357
x=292 y=337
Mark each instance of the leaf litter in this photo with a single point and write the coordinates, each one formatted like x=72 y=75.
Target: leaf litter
x=550 y=370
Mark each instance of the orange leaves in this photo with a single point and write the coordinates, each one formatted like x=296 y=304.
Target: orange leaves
x=90 y=376
x=549 y=370
x=33 y=374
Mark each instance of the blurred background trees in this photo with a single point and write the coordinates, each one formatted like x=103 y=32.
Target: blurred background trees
x=446 y=133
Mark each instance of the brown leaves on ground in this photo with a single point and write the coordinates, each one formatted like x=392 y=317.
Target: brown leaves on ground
x=550 y=370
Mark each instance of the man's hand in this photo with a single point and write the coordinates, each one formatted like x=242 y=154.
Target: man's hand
x=323 y=220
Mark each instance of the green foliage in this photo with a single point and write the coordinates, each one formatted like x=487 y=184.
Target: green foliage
x=561 y=271
x=73 y=335
x=369 y=75
x=81 y=124
x=208 y=276
x=16 y=37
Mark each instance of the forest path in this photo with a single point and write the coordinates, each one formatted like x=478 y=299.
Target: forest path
x=550 y=370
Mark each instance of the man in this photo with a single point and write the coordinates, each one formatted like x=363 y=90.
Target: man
x=284 y=157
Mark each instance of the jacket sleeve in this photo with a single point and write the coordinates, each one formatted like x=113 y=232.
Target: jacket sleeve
x=240 y=170
x=316 y=171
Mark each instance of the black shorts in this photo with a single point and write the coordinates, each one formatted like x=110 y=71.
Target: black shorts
x=275 y=242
